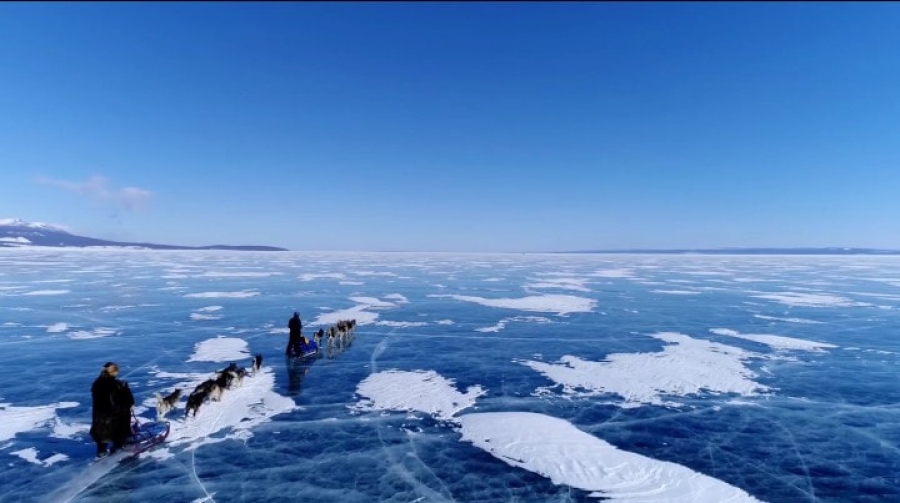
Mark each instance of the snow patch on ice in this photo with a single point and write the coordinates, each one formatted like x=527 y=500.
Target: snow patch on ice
x=789 y=320
x=563 y=283
x=96 y=334
x=502 y=323
x=559 y=304
x=401 y=324
x=15 y=420
x=47 y=292
x=30 y=454
x=686 y=367
x=776 y=341
x=810 y=299
x=220 y=349
x=223 y=295
x=423 y=391
x=57 y=328
x=556 y=449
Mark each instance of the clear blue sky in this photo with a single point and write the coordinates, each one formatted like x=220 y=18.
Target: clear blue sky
x=457 y=127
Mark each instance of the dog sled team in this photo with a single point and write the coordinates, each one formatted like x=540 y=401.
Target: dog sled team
x=336 y=338
x=209 y=390
x=113 y=402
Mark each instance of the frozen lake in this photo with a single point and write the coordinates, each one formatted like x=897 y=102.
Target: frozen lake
x=472 y=377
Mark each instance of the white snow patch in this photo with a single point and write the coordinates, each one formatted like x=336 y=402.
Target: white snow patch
x=502 y=323
x=401 y=324
x=397 y=297
x=559 y=304
x=68 y=430
x=238 y=274
x=96 y=334
x=423 y=391
x=556 y=449
x=810 y=299
x=220 y=349
x=357 y=313
x=789 y=320
x=57 y=328
x=15 y=420
x=312 y=276
x=208 y=309
x=223 y=295
x=576 y=284
x=776 y=341
x=17 y=239
x=687 y=367
x=31 y=455
x=613 y=273
x=373 y=302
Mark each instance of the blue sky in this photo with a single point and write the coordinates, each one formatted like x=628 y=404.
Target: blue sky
x=455 y=127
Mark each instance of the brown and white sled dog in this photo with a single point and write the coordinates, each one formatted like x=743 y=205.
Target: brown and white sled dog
x=164 y=404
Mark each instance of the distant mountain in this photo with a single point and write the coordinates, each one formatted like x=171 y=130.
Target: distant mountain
x=756 y=251
x=17 y=233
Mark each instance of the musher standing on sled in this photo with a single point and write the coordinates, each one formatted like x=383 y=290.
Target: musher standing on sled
x=295 y=326
x=112 y=406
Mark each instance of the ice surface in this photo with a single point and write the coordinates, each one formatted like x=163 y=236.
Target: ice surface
x=776 y=381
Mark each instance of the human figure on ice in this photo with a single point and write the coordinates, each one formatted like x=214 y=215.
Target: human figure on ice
x=295 y=326
x=111 y=410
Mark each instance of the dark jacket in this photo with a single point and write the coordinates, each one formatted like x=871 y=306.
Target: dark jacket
x=295 y=325
x=112 y=402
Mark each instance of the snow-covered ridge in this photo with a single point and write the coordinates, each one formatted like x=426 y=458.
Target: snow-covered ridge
x=17 y=222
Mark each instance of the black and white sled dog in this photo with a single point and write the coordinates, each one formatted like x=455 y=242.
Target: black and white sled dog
x=207 y=389
x=164 y=404
x=256 y=363
x=194 y=401
x=318 y=337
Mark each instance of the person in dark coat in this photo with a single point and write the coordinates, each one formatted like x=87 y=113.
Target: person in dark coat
x=112 y=405
x=295 y=326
